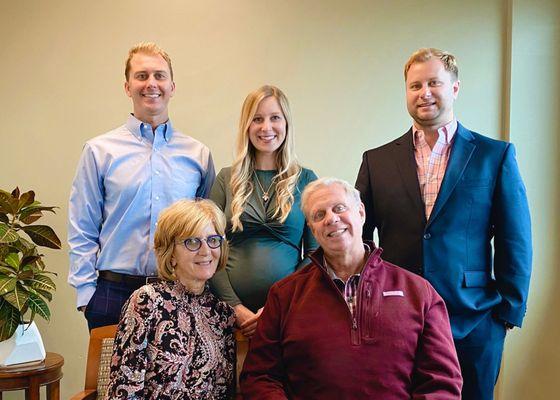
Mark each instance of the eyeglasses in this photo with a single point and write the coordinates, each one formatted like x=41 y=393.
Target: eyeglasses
x=194 y=243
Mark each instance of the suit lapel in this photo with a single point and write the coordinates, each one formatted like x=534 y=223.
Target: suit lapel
x=461 y=152
x=404 y=158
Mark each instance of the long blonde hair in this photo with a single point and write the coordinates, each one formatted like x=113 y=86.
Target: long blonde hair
x=243 y=166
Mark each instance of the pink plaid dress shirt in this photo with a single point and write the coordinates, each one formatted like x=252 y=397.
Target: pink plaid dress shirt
x=432 y=163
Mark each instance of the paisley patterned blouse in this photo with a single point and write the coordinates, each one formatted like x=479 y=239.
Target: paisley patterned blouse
x=172 y=344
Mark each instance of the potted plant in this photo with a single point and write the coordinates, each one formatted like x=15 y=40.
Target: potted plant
x=25 y=285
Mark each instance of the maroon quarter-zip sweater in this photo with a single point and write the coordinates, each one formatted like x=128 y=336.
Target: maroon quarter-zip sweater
x=309 y=346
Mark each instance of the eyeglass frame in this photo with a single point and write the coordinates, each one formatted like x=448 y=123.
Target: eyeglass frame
x=200 y=240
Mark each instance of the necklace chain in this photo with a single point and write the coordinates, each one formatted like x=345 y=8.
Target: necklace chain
x=265 y=197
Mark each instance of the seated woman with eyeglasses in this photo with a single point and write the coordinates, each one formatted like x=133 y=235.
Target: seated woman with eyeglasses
x=175 y=338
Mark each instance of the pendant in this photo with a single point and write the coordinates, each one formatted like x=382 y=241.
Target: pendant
x=265 y=197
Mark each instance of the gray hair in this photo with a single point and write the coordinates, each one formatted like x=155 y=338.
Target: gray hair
x=311 y=188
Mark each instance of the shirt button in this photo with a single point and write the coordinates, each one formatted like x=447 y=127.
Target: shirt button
x=427 y=236
x=157 y=172
x=157 y=198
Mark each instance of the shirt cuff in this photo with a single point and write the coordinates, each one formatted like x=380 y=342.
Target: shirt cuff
x=85 y=293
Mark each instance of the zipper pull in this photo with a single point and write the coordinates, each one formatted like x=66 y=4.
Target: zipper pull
x=354 y=324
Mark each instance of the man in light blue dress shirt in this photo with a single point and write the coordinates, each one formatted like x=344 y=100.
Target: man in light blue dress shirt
x=124 y=179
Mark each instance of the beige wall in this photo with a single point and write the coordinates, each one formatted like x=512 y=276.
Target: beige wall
x=340 y=64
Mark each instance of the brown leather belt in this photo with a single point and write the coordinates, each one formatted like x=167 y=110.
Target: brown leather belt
x=129 y=280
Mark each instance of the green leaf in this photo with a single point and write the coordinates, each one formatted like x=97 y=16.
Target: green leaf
x=15 y=193
x=43 y=235
x=7 y=234
x=45 y=294
x=17 y=298
x=7 y=270
x=9 y=320
x=39 y=306
x=42 y=282
x=7 y=284
x=12 y=260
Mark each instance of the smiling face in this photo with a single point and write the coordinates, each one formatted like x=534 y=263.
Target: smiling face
x=150 y=87
x=194 y=268
x=430 y=93
x=336 y=220
x=267 y=130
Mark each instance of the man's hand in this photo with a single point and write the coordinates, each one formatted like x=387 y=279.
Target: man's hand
x=246 y=319
x=82 y=309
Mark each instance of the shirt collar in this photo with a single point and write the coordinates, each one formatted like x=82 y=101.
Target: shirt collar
x=446 y=133
x=143 y=130
x=333 y=274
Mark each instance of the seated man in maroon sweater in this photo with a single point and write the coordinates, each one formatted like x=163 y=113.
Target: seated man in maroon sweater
x=350 y=325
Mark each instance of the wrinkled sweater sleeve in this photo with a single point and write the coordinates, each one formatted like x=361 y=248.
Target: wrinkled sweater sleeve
x=437 y=374
x=263 y=375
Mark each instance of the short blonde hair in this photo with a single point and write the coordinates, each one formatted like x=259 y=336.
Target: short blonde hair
x=425 y=54
x=351 y=192
x=146 y=48
x=181 y=220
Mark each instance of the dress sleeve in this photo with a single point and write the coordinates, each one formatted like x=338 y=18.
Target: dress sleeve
x=437 y=374
x=308 y=240
x=85 y=216
x=129 y=361
x=220 y=283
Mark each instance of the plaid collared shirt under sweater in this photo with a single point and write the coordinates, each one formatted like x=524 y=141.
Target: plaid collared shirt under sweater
x=432 y=163
x=348 y=289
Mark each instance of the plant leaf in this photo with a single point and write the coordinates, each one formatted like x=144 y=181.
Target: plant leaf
x=7 y=284
x=39 y=306
x=12 y=260
x=8 y=204
x=42 y=282
x=26 y=199
x=43 y=235
x=15 y=193
x=17 y=298
x=7 y=270
x=29 y=260
x=32 y=213
x=45 y=294
x=7 y=234
x=4 y=217
x=9 y=320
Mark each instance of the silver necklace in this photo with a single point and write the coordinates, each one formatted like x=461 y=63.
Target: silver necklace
x=265 y=197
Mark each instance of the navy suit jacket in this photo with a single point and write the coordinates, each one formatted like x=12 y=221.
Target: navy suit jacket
x=476 y=247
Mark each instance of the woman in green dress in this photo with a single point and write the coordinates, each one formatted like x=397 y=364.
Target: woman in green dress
x=260 y=195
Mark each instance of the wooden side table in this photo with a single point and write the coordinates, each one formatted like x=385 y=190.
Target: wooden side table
x=31 y=378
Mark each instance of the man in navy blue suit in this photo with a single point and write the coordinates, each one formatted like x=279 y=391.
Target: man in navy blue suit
x=450 y=205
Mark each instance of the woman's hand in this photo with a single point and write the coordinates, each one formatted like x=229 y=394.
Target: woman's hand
x=246 y=320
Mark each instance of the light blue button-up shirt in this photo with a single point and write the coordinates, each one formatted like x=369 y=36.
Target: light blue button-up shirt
x=125 y=178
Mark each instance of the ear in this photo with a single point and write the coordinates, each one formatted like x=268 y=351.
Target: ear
x=127 y=89
x=173 y=262
x=456 y=87
x=362 y=212
x=172 y=89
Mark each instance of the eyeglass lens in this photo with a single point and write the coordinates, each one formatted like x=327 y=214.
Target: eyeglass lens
x=213 y=241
